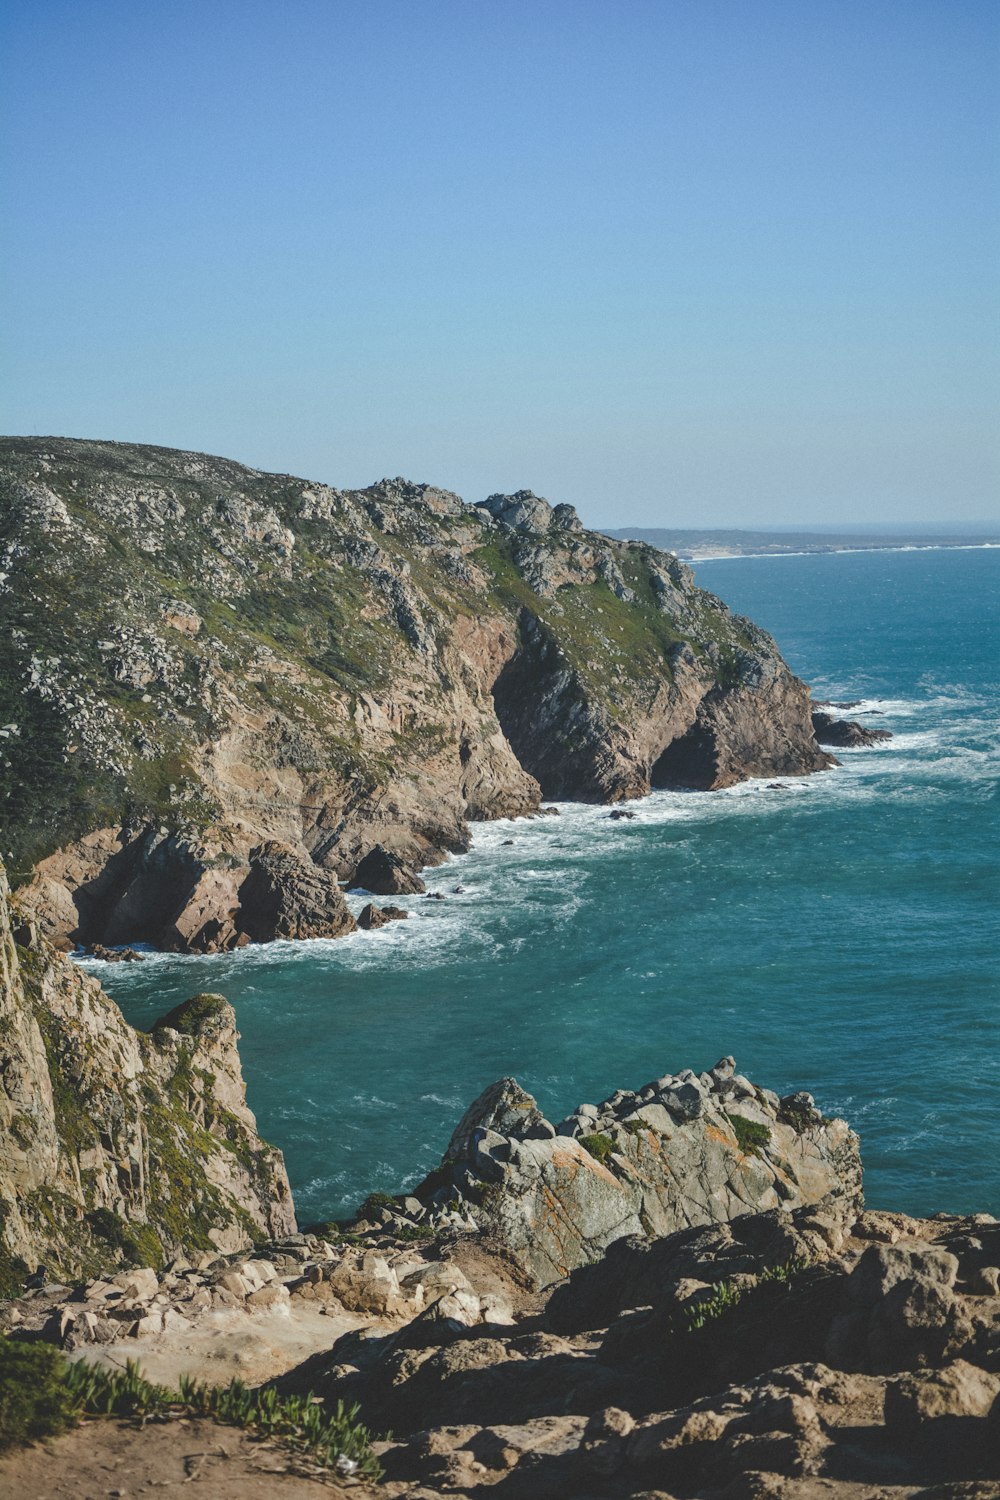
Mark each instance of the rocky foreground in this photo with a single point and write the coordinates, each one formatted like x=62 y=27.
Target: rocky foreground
x=223 y=693
x=817 y=1352
x=675 y=1292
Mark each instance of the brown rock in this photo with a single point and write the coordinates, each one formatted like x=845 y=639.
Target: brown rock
x=372 y=916
x=386 y=874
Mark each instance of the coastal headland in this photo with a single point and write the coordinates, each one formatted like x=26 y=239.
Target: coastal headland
x=226 y=693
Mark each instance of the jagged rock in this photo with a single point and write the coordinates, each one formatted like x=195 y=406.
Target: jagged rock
x=523 y=511
x=691 y=1153
x=845 y=733
x=372 y=916
x=338 y=670
x=285 y=896
x=115 y=1144
x=385 y=874
x=115 y=955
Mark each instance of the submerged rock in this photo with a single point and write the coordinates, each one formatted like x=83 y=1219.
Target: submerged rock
x=845 y=733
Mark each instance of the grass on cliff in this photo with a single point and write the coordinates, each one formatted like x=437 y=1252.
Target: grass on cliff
x=43 y=1394
x=751 y=1135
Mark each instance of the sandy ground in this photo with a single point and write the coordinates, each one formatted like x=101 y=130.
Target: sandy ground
x=195 y=1458
x=175 y=1460
x=228 y=1344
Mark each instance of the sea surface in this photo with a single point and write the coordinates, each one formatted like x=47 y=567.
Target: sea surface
x=838 y=934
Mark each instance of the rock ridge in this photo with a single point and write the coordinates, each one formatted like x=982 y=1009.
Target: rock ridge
x=686 y=1150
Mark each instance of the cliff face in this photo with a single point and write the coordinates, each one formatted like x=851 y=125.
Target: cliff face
x=220 y=690
x=117 y=1146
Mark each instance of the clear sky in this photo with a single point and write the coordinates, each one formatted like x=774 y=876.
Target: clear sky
x=680 y=262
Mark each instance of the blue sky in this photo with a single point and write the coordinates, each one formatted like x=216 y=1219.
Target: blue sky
x=688 y=262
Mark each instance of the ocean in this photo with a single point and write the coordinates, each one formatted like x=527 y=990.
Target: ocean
x=837 y=934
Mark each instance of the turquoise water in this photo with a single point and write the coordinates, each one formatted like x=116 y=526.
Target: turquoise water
x=838 y=935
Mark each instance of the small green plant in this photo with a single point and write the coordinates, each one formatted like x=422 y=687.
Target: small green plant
x=407 y=1232
x=374 y=1204
x=750 y=1135
x=42 y=1394
x=35 y=1401
x=726 y=1295
x=637 y=1127
x=599 y=1145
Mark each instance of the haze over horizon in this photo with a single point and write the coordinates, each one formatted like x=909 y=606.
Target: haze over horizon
x=685 y=264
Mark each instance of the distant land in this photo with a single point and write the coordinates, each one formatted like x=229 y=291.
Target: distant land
x=698 y=544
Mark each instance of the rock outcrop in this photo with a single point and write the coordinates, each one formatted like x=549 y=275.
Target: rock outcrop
x=223 y=693
x=117 y=1146
x=846 y=734
x=685 y=1150
x=792 y=1355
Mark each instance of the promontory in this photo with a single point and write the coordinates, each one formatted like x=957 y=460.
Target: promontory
x=225 y=693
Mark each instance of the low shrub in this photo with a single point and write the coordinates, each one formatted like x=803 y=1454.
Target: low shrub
x=35 y=1401
x=751 y=1135
x=599 y=1145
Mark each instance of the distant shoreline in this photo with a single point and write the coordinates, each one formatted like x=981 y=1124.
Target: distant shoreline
x=695 y=544
x=691 y=556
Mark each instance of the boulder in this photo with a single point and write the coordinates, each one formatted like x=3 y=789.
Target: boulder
x=385 y=874
x=372 y=916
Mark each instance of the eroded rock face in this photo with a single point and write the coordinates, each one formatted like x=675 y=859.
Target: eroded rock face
x=116 y=1144
x=686 y=1150
x=241 y=686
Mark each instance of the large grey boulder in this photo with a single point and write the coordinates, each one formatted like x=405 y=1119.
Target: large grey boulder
x=523 y=511
x=685 y=1150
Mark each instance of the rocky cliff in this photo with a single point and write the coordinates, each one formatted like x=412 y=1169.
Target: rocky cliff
x=222 y=691
x=118 y=1147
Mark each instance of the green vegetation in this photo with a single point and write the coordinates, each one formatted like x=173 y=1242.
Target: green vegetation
x=751 y=1136
x=189 y=1017
x=374 y=1204
x=42 y=1394
x=137 y=1244
x=599 y=1145
x=410 y=1232
x=727 y=1295
x=35 y=1398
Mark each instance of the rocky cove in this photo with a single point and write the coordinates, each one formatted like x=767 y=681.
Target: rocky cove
x=227 y=695
x=675 y=1292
